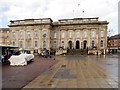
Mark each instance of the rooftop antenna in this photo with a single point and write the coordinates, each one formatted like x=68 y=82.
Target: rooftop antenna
x=73 y=13
x=78 y=10
x=83 y=12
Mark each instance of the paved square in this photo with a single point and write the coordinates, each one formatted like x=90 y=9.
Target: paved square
x=80 y=72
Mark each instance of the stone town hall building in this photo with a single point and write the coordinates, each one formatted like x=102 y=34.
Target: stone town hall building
x=77 y=33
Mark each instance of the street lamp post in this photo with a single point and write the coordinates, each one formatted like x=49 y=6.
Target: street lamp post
x=108 y=41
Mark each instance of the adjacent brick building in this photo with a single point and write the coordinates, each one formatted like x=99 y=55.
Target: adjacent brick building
x=114 y=43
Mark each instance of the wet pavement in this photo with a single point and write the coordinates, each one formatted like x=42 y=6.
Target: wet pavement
x=18 y=76
x=84 y=71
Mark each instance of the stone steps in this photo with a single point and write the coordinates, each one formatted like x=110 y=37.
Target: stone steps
x=77 y=52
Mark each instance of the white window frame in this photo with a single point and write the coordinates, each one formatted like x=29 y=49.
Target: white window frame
x=70 y=34
x=29 y=44
x=21 y=44
x=102 y=33
x=13 y=34
x=36 y=34
x=36 y=43
x=77 y=34
x=85 y=34
x=63 y=35
x=54 y=34
x=21 y=35
x=28 y=34
x=62 y=44
x=93 y=34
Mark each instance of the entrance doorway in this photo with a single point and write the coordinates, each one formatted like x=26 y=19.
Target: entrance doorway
x=77 y=44
x=70 y=44
x=85 y=44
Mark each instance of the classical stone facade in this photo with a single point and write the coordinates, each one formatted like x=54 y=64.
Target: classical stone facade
x=77 y=33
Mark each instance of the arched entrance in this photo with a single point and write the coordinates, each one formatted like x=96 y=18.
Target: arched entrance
x=77 y=44
x=85 y=44
x=70 y=44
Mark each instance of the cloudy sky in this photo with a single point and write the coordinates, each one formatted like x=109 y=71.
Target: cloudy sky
x=60 y=9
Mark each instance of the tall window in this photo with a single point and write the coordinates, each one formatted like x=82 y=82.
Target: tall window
x=54 y=44
x=21 y=35
x=77 y=34
x=13 y=43
x=54 y=34
x=13 y=34
x=36 y=34
x=44 y=39
x=70 y=34
x=92 y=34
x=36 y=43
x=85 y=34
x=28 y=43
x=102 y=33
x=62 y=44
x=21 y=44
x=28 y=34
x=63 y=34
x=92 y=43
x=101 y=43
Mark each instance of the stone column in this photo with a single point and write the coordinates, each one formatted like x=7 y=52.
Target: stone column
x=97 y=37
x=59 y=40
x=105 y=35
x=89 y=38
x=74 y=42
x=66 y=39
x=40 y=38
x=48 y=39
x=24 y=38
x=82 y=38
x=17 y=38
x=32 y=40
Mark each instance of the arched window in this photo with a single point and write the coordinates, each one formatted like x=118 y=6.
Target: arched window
x=13 y=35
x=92 y=34
x=54 y=34
x=92 y=43
x=70 y=34
x=54 y=45
x=21 y=35
x=13 y=43
x=28 y=34
x=28 y=43
x=36 y=34
x=85 y=34
x=77 y=34
x=21 y=44
x=102 y=33
x=36 y=43
x=63 y=34
x=62 y=44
